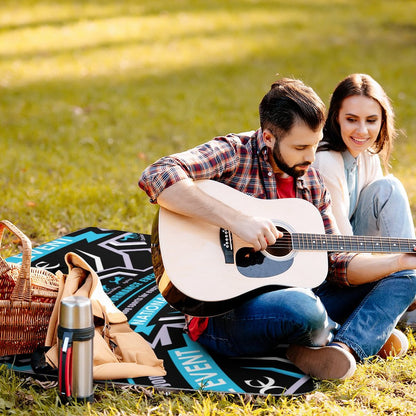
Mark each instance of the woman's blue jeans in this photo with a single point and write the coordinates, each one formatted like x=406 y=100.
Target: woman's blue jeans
x=368 y=313
x=383 y=210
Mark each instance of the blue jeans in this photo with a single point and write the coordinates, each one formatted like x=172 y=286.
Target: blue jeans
x=368 y=313
x=258 y=326
x=383 y=210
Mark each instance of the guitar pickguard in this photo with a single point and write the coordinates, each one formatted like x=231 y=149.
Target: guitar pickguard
x=252 y=263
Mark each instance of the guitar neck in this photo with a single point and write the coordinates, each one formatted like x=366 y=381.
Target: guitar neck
x=359 y=244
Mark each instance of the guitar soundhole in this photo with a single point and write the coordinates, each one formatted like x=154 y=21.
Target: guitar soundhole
x=283 y=245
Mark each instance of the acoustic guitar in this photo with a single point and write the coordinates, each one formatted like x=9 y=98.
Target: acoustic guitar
x=204 y=270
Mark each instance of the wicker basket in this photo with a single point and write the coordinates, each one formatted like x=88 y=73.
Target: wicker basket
x=27 y=298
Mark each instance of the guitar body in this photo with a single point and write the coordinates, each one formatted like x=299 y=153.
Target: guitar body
x=203 y=270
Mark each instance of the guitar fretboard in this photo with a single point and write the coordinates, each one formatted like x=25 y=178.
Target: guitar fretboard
x=361 y=244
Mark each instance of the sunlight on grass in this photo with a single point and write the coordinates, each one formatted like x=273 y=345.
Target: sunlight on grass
x=145 y=44
x=98 y=41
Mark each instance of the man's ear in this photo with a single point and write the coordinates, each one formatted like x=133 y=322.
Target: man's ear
x=269 y=138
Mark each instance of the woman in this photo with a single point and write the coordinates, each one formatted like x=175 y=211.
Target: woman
x=358 y=133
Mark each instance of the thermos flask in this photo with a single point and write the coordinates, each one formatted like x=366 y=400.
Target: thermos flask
x=75 y=337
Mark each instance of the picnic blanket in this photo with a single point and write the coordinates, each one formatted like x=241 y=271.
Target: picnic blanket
x=123 y=263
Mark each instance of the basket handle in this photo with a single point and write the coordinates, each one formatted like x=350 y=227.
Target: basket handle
x=21 y=291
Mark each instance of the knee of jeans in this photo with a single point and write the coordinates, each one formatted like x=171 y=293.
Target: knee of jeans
x=311 y=310
x=321 y=327
x=385 y=188
x=318 y=317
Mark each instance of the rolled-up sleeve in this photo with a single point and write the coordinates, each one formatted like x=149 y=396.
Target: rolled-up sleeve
x=160 y=175
x=338 y=264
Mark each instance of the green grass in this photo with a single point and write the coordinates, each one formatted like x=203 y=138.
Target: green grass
x=93 y=91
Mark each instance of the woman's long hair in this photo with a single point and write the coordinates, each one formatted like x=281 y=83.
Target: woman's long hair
x=364 y=85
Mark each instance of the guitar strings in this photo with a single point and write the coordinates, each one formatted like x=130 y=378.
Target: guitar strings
x=357 y=242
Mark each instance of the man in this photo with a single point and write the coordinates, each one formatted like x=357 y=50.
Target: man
x=274 y=162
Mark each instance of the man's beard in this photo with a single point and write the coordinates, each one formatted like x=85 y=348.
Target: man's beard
x=284 y=167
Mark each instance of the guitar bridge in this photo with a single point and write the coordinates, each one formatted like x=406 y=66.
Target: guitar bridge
x=226 y=241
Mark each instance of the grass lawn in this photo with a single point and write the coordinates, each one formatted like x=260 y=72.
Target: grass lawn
x=93 y=91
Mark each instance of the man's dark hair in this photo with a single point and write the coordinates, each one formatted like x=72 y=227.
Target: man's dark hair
x=288 y=101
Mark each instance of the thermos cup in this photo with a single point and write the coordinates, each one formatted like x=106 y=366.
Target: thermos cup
x=75 y=337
